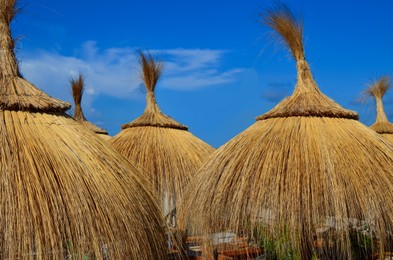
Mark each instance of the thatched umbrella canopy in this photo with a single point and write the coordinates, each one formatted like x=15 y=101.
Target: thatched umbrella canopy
x=78 y=86
x=158 y=146
x=63 y=192
x=305 y=163
x=377 y=90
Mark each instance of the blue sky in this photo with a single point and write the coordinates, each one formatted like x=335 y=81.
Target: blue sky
x=222 y=68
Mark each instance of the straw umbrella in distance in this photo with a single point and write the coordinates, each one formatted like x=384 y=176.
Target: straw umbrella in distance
x=78 y=85
x=382 y=125
x=63 y=192
x=304 y=162
x=159 y=146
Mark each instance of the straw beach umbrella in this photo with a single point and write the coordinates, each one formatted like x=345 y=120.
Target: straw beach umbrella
x=63 y=192
x=305 y=163
x=78 y=85
x=159 y=146
x=382 y=125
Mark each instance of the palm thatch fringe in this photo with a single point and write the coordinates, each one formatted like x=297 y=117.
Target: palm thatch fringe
x=15 y=92
x=303 y=167
x=77 y=85
x=151 y=73
x=377 y=89
x=63 y=192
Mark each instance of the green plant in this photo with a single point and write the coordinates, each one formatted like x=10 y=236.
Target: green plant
x=361 y=243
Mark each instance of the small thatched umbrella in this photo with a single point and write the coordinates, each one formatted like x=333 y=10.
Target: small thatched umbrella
x=377 y=90
x=63 y=192
x=305 y=163
x=78 y=85
x=160 y=147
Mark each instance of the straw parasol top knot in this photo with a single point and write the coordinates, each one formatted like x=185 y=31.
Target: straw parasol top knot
x=377 y=89
x=151 y=72
x=306 y=100
x=15 y=92
x=78 y=86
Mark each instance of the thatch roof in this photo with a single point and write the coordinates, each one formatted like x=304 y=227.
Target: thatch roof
x=19 y=93
x=63 y=192
x=377 y=89
x=303 y=163
x=77 y=86
x=159 y=146
x=151 y=72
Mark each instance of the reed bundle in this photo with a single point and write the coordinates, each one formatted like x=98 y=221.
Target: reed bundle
x=159 y=146
x=377 y=89
x=306 y=164
x=63 y=192
x=77 y=86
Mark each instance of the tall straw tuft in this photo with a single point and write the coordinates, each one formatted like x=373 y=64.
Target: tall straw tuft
x=377 y=89
x=151 y=70
x=78 y=87
x=290 y=31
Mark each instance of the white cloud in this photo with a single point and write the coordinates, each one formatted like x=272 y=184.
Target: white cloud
x=194 y=80
x=114 y=71
x=107 y=72
x=188 y=69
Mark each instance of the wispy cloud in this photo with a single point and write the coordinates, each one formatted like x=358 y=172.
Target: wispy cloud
x=114 y=71
x=107 y=72
x=188 y=69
